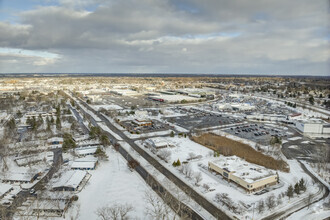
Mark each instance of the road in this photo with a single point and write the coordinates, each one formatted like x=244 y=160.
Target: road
x=302 y=204
x=24 y=194
x=211 y=208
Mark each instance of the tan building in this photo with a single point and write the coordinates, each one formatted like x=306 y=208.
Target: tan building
x=249 y=176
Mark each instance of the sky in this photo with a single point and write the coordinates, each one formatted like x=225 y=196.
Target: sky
x=165 y=36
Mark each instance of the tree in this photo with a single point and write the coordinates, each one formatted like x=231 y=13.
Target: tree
x=198 y=178
x=297 y=189
x=309 y=199
x=164 y=154
x=289 y=192
x=68 y=142
x=157 y=208
x=104 y=140
x=114 y=212
x=261 y=206
x=178 y=163
x=172 y=134
x=311 y=100
x=302 y=185
x=58 y=123
x=100 y=153
x=270 y=201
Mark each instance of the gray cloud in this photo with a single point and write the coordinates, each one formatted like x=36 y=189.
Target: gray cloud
x=174 y=36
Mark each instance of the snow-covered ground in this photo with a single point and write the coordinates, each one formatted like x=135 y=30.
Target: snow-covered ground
x=112 y=182
x=150 y=134
x=106 y=107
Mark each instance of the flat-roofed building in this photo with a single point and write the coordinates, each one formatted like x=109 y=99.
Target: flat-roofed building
x=70 y=180
x=249 y=176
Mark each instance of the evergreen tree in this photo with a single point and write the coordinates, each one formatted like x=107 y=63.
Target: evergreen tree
x=302 y=185
x=178 y=163
x=311 y=100
x=297 y=189
x=58 y=123
x=104 y=140
x=172 y=134
x=289 y=192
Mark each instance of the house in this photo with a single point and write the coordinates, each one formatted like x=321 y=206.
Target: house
x=19 y=177
x=49 y=207
x=5 y=189
x=83 y=151
x=83 y=165
x=69 y=181
x=55 y=141
x=249 y=176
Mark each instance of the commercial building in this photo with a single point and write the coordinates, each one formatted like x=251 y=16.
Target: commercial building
x=157 y=143
x=249 y=176
x=142 y=122
x=313 y=126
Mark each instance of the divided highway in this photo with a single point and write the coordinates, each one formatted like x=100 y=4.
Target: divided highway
x=211 y=208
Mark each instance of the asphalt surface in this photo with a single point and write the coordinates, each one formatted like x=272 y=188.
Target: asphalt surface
x=182 y=185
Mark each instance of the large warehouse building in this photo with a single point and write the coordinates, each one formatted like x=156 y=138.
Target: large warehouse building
x=313 y=126
x=249 y=176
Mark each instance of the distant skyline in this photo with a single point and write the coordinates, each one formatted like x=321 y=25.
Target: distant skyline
x=165 y=36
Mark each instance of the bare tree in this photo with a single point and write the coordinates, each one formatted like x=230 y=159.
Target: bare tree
x=165 y=155
x=206 y=187
x=261 y=206
x=198 y=178
x=114 y=212
x=157 y=208
x=191 y=156
x=309 y=199
x=270 y=201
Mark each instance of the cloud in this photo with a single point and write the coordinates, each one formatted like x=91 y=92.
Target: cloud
x=174 y=36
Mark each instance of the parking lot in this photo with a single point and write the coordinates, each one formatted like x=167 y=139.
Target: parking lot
x=199 y=119
x=258 y=133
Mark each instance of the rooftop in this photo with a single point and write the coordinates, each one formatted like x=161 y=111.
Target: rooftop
x=242 y=169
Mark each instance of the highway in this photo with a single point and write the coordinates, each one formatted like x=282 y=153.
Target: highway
x=211 y=208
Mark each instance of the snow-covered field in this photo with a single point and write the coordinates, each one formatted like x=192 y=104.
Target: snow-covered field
x=106 y=107
x=112 y=182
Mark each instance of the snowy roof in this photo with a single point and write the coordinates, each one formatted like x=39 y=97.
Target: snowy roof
x=88 y=158
x=25 y=177
x=71 y=178
x=4 y=188
x=247 y=171
x=83 y=165
x=85 y=150
x=55 y=139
